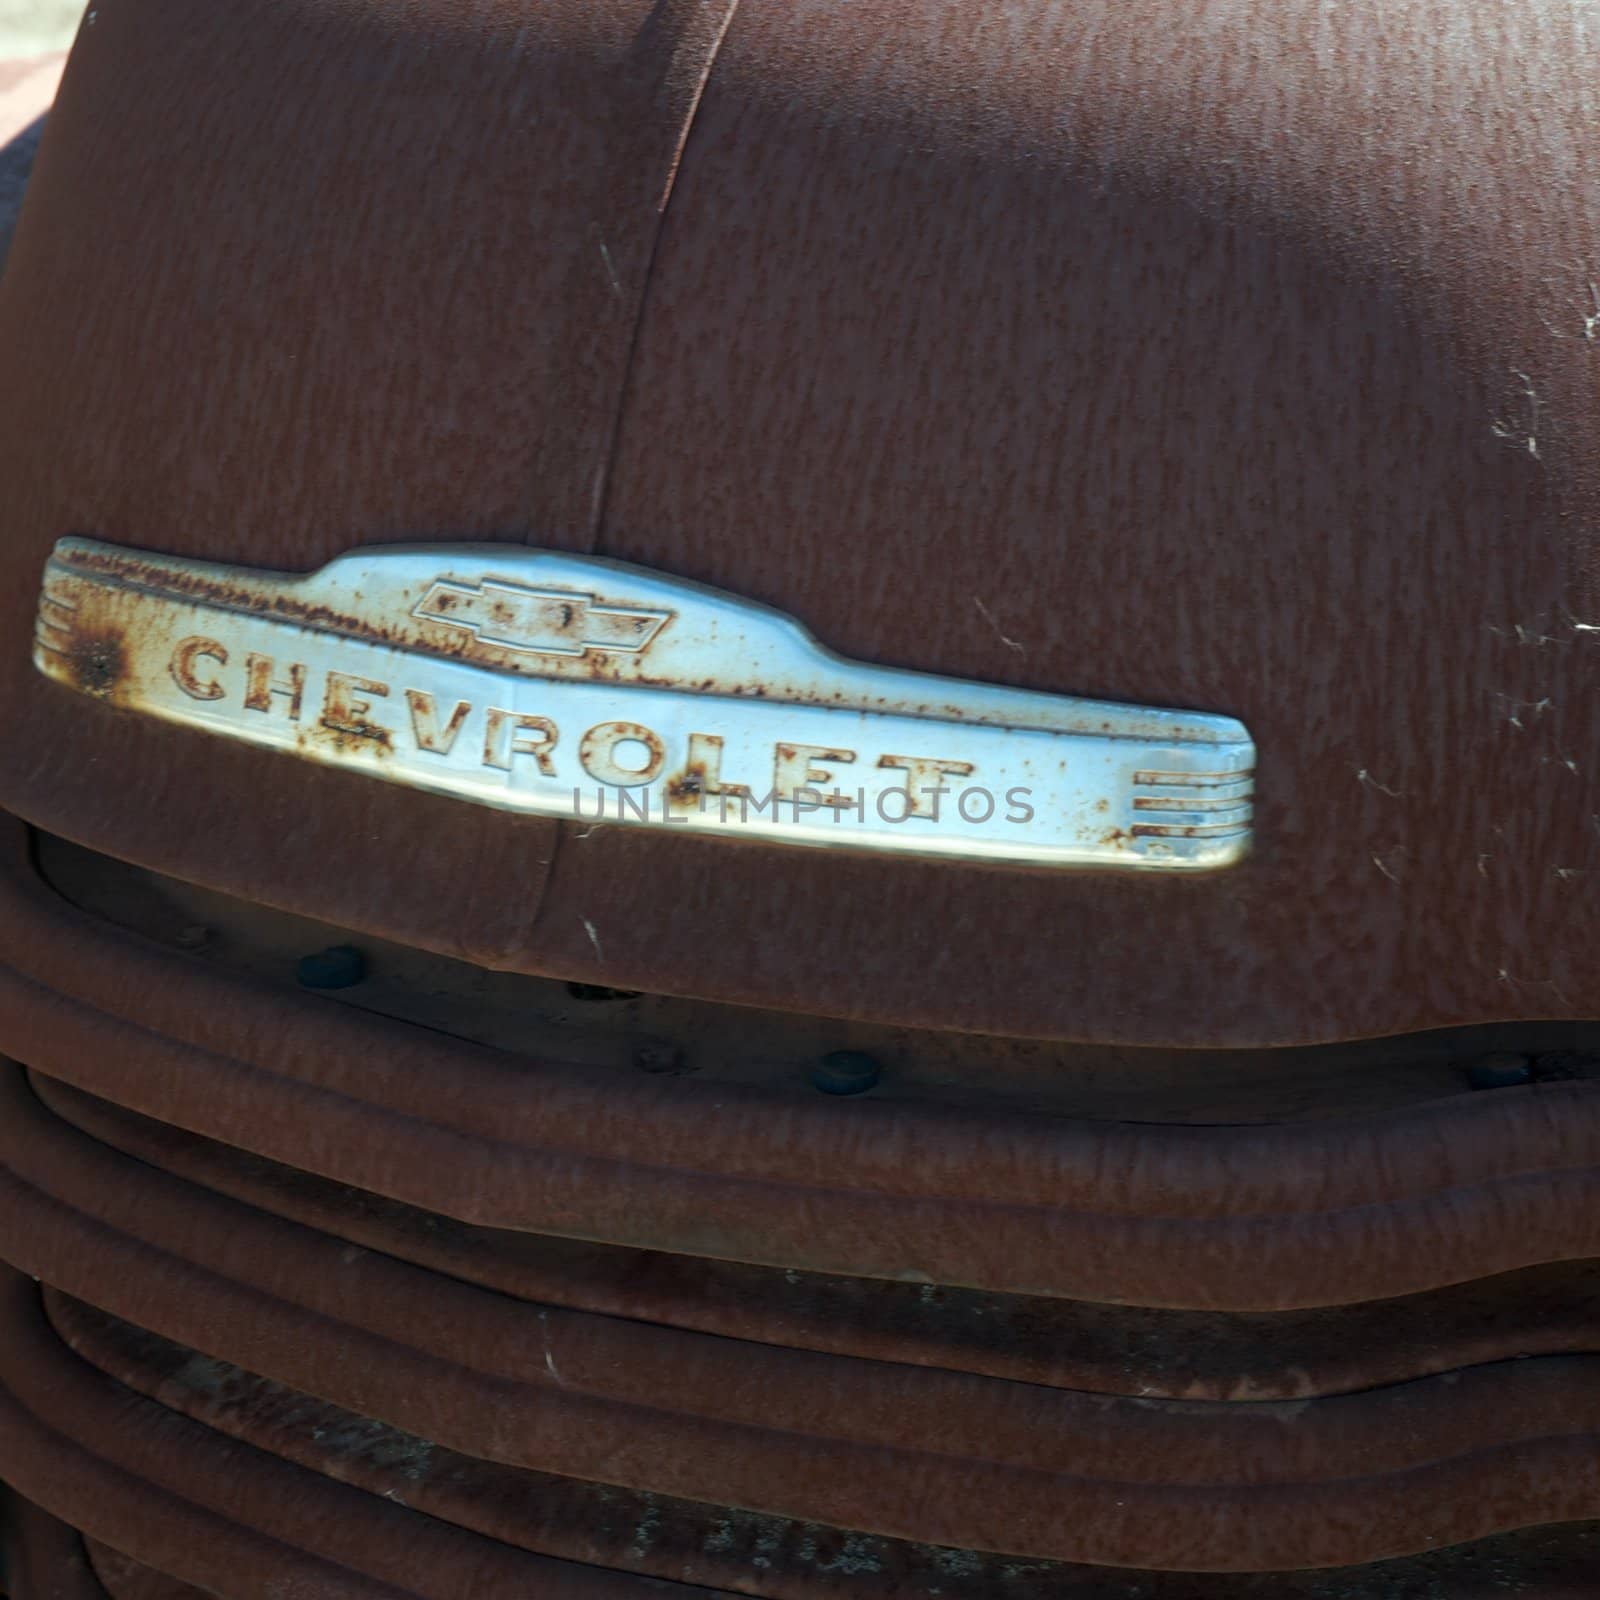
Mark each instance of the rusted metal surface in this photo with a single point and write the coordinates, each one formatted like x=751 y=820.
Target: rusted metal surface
x=1264 y=1218
x=1234 y=356
x=263 y=1439
x=227 y=1518
x=41 y=1558
x=746 y=1553
x=465 y=1368
x=1271 y=314
x=125 y=1579
x=461 y=380
x=606 y=1030
x=909 y=365
x=537 y=682
x=1061 y=1343
x=461 y=1366
x=943 y=1457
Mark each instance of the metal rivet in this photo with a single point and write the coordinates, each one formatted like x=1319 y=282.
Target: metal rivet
x=1501 y=1069
x=340 y=967
x=845 y=1072
x=661 y=1056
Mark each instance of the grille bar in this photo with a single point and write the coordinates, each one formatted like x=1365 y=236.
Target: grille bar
x=230 y=1519
x=748 y=1553
x=1263 y=1218
x=1059 y=1343
x=897 y=1452
x=42 y=1556
x=387 y=1219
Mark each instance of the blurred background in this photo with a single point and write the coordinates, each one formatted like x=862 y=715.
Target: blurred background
x=28 y=27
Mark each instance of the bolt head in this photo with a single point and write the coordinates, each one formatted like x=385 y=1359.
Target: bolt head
x=1500 y=1069
x=660 y=1056
x=846 y=1072
x=341 y=967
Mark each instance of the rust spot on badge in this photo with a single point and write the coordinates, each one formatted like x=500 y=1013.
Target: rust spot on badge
x=348 y=741
x=686 y=787
x=348 y=721
x=205 y=590
x=97 y=662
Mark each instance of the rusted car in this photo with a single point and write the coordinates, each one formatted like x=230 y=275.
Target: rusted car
x=800 y=800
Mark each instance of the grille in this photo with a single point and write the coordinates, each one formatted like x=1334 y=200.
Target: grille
x=369 y=1293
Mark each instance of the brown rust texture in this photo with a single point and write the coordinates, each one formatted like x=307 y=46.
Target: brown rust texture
x=230 y=1520
x=255 y=1505
x=1250 y=1217
x=940 y=1457
x=41 y=1557
x=408 y=354
x=1232 y=359
x=1069 y=1344
x=97 y=662
x=688 y=784
x=128 y=578
x=742 y=1551
x=980 y=1073
x=125 y=1579
x=884 y=1430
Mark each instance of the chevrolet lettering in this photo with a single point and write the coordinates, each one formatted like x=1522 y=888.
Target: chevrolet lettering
x=576 y=687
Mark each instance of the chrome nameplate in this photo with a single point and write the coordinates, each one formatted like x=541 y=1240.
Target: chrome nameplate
x=584 y=689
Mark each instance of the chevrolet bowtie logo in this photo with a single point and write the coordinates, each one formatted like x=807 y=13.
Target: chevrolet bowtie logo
x=546 y=622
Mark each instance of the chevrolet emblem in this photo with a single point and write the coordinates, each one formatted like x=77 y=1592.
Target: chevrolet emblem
x=577 y=688
x=556 y=622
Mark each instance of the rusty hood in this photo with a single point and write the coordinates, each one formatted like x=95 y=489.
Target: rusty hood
x=1235 y=357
